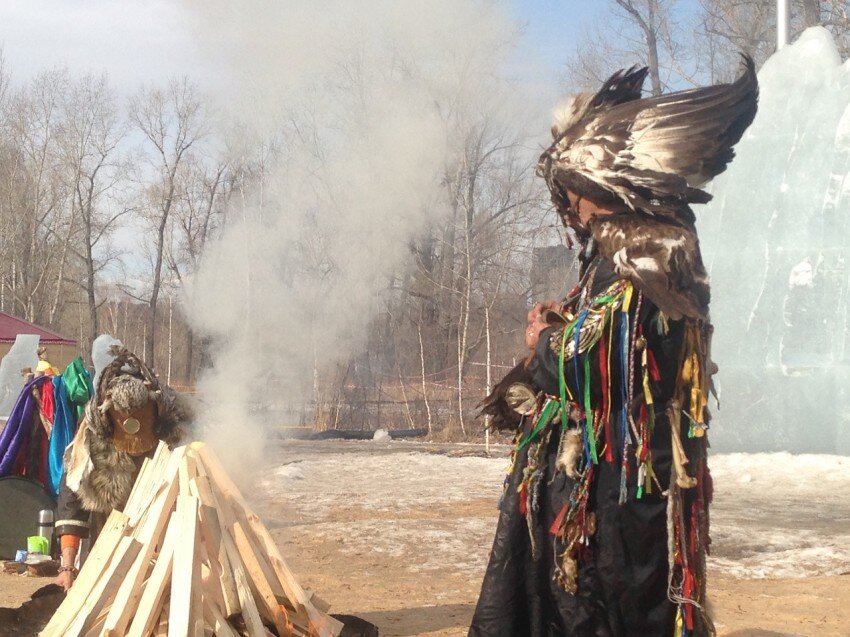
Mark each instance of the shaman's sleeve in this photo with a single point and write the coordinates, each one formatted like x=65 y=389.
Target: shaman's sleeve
x=71 y=517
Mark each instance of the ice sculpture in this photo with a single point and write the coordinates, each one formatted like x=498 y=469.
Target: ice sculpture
x=22 y=354
x=100 y=355
x=776 y=239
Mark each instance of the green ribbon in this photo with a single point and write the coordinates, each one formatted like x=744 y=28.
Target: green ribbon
x=588 y=412
x=549 y=410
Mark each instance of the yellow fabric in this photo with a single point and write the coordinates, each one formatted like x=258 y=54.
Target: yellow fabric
x=44 y=367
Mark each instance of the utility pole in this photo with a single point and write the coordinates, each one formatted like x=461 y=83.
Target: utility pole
x=783 y=22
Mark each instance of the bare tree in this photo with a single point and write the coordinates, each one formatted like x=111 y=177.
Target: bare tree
x=34 y=194
x=91 y=133
x=729 y=27
x=172 y=121
x=205 y=188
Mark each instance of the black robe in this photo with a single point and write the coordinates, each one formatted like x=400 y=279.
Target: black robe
x=622 y=583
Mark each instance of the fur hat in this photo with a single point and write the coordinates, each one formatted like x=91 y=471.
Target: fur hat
x=100 y=474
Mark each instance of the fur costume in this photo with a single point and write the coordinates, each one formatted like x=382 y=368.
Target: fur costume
x=100 y=475
x=604 y=521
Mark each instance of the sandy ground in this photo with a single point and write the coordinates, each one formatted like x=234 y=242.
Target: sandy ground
x=398 y=533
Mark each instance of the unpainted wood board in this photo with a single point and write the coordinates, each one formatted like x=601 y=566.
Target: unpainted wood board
x=258 y=580
x=151 y=602
x=184 y=567
x=149 y=535
x=221 y=627
x=250 y=613
x=211 y=534
x=98 y=560
x=106 y=589
x=324 y=625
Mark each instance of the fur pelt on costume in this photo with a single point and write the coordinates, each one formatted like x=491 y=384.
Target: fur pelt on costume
x=96 y=471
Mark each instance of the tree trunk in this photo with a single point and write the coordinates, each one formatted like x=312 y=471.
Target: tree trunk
x=150 y=340
x=652 y=49
x=189 y=369
x=489 y=378
x=422 y=366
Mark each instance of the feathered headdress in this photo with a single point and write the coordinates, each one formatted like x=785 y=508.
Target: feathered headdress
x=648 y=159
x=652 y=155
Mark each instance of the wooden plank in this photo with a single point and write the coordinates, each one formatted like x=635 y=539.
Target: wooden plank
x=259 y=581
x=317 y=601
x=293 y=590
x=161 y=477
x=221 y=627
x=92 y=570
x=211 y=526
x=161 y=629
x=151 y=468
x=186 y=473
x=324 y=625
x=250 y=613
x=221 y=573
x=253 y=546
x=150 y=604
x=196 y=620
x=104 y=591
x=183 y=569
x=150 y=534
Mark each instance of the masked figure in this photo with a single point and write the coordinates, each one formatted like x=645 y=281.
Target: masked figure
x=603 y=529
x=124 y=422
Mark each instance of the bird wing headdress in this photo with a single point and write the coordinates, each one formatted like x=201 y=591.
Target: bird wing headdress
x=651 y=155
x=649 y=159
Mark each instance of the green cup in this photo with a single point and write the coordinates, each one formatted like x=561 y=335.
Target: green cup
x=38 y=544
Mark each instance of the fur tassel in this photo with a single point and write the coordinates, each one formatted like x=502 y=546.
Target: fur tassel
x=570 y=453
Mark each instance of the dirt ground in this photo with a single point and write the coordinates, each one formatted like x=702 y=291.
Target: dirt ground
x=399 y=535
x=402 y=601
x=427 y=586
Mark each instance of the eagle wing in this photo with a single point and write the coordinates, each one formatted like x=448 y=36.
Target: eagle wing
x=662 y=259
x=666 y=147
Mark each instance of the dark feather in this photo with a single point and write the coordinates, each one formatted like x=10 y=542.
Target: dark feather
x=652 y=154
x=661 y=258
x=495 y=405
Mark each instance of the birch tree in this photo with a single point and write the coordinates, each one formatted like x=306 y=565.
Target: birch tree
x=171 y=121
x=91 y=133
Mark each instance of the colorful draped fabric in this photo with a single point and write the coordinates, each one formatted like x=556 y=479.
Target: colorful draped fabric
x=20 y=441
x=43 y=423
x=64 y=428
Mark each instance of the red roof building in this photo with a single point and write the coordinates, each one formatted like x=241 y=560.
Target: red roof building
x=61 y=350
x=11 y=326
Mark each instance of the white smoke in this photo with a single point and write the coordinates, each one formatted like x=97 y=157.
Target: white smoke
x=359 y=98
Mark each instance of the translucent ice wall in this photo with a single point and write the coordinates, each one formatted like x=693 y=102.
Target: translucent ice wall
x=776 y=239
x=22 y=354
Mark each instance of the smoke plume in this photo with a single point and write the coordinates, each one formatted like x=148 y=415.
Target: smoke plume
x=357 y=98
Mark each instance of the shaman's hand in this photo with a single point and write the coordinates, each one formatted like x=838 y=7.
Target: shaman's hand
x=65 y=579
x=536 y=324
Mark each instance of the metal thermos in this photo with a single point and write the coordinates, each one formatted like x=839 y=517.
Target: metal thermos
x=45 y=526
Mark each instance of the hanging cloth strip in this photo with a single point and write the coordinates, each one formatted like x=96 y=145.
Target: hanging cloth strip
x=18 y=430
x=64 y=427
x=78 y=386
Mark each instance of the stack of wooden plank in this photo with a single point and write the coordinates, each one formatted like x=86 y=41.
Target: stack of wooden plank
x=187 y=557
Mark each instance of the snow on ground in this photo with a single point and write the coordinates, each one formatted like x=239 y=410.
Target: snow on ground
x=386 y=482
x=780 y=515
x=774 y=515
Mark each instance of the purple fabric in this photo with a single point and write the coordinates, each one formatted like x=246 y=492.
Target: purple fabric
x=18 y=427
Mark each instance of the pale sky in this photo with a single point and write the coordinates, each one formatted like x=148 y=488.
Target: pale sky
x=138 y=42
x=134 y=42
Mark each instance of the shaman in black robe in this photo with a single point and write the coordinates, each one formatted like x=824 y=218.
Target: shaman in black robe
x=603 y=527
